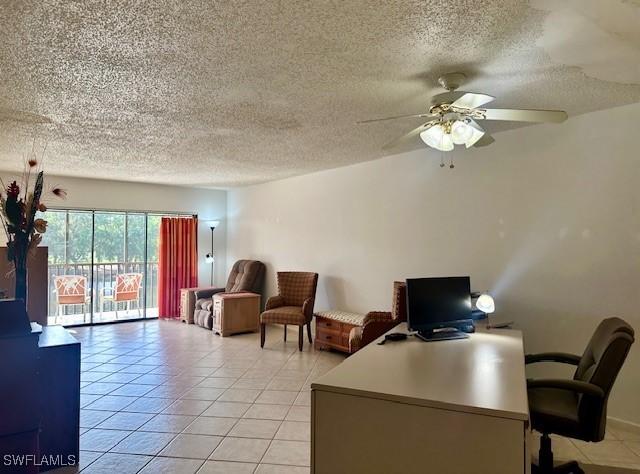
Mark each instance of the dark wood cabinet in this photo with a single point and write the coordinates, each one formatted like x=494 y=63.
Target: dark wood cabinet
x=59 y=382
x=19 y=402
x=39 y=400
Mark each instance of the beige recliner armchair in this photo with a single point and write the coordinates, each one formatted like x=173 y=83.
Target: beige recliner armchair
x=246 y=275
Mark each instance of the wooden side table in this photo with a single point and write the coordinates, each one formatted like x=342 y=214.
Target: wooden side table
x=188 y=303
x=235 y=312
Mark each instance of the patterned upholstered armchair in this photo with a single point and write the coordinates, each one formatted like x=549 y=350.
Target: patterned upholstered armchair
x=376 y=323
x=293 y=304
x=245 y=275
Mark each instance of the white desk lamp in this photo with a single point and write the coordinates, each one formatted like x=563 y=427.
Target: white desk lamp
x=486 y=304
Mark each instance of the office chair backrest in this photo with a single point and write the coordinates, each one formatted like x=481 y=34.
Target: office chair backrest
x=599 y=365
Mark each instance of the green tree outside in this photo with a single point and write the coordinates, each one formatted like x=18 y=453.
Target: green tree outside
x=109 y=240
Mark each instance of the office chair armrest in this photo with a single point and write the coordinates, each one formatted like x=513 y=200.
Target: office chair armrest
x=577 y=386
x=274 y=302
x=561 y=357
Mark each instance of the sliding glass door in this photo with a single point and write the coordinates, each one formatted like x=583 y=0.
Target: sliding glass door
x=68 y=237
x=103 y=265
x=151 y=280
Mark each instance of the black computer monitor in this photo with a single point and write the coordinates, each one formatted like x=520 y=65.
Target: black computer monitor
x=434 y=303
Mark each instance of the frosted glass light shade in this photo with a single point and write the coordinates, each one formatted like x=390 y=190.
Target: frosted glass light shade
x=435 y=137
x=447 y=142
x=486 y=304
x=461 y=132
x=476 y=133
x=432 y=136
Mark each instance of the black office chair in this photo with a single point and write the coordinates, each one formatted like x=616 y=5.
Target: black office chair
x=577 y=408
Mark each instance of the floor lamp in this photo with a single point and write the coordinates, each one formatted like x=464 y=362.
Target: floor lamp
x=209 y=258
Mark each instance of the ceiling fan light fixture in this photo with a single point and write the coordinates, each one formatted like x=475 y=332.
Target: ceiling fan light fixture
x=447 y=142
x=436 y=137
x=476 y=133
x=432 y=136
x=461 y=133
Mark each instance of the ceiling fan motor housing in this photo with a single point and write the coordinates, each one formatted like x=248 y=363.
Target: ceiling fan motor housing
x=445 y=98
x=451 y=81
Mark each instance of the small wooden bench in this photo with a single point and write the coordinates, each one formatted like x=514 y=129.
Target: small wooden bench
x=333 y=329
x=349 y=332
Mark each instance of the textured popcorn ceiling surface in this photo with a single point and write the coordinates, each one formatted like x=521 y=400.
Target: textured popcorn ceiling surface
x=222 y=93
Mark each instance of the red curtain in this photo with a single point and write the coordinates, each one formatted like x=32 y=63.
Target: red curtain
x=177 y=262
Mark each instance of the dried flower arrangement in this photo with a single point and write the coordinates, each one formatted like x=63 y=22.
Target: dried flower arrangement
x=18 y=207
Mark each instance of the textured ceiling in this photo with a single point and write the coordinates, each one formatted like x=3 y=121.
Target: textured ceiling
x=224 y=93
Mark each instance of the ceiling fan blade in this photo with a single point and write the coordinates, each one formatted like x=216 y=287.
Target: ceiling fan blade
x=484 y=141
x=413 y=133
x=471 y=100
x=524 y=115
x=23 y=117
x=396 y=117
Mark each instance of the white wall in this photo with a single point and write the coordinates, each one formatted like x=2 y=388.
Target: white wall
x=101 y=194
x=546 y=218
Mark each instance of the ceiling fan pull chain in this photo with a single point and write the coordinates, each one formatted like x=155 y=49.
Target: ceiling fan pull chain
x=451 y=165
x=441 y=159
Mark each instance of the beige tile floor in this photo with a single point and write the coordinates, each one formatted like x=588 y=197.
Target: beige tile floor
x=620 y=448
x=161 y=396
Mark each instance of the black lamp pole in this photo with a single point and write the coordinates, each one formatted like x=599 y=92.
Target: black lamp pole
x=211 y=254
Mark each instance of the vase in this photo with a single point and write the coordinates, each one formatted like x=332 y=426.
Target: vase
x=21 y=282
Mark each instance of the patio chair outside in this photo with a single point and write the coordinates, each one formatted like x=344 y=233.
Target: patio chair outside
x=126 y=290
x=70 y=290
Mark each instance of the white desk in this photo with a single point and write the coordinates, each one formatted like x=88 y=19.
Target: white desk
x=443 y=407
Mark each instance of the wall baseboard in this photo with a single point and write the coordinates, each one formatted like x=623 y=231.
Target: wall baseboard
x=623 y=424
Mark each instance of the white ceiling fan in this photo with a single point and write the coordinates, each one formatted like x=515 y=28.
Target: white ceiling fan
x=453 y=117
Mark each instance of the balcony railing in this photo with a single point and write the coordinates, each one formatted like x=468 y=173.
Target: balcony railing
x=103 y=277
